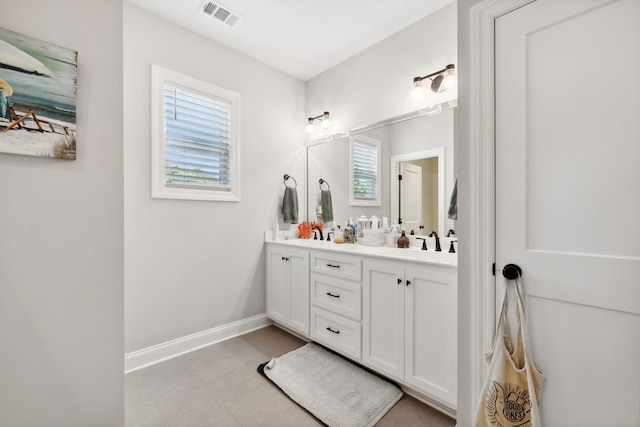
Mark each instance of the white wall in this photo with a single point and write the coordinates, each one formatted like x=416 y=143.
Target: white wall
x=61 y=244
x=375 y=84
x=192 y=265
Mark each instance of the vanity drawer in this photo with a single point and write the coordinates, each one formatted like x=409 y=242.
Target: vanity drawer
x=335 y=331
x=337 y=296
x=343 y=266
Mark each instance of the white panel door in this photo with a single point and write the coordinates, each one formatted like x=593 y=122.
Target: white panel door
x=277 y=272
x=431 y=332
x=411 y=197
x=568 y=202
x=383 y=317
x=298 y=294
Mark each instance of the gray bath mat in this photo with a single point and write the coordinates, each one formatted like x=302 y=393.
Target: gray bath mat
x=334 y=390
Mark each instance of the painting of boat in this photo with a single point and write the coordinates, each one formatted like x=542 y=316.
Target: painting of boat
x=38 y=83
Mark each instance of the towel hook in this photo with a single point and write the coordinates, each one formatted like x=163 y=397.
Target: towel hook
x=322 y=181
x=286 y=177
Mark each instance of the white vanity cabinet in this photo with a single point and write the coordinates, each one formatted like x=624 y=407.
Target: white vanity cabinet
x=288 y=287
x=394 y=311
x=336 y=302
x=409 y=325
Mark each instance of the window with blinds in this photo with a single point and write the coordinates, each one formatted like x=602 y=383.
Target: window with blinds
x=365 y=173
x=195 y=140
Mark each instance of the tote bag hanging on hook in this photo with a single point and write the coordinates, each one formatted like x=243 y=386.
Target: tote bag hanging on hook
x=511 y=390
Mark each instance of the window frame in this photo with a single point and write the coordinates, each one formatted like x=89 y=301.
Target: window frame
x=160 y=189
x=364 y=140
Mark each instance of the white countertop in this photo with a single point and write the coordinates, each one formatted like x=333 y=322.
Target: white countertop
x=429 y=256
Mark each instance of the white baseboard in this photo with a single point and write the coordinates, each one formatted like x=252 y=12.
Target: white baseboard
x=158 y=353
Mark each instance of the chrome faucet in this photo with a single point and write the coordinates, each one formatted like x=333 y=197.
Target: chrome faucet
x=434 y=234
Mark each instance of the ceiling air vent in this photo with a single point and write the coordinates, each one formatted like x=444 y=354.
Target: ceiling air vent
x=220 y=12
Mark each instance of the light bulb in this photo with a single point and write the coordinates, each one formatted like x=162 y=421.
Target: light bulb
x=418 y=95
x=310 y=128
x=449 y=78
x=326 y=121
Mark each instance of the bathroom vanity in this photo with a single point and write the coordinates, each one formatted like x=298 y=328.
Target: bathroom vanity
x=391 y=310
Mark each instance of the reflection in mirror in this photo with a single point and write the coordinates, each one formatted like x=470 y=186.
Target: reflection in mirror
x=418 y=199
x=404 y=142
x=364 y=176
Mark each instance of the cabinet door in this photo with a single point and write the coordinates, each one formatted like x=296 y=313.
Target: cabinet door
x=383 y=317
x=430 y=332
x=277 y=267
x=298 y=292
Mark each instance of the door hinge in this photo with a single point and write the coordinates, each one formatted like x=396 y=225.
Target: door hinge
x=399 y=177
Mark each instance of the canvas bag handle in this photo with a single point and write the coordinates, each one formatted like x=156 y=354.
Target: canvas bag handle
x=528 y=360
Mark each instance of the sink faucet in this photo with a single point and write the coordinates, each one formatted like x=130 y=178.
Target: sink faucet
x=434 y=234
x=424 y=243
x=452 y=249
x=319 y=231
x=451 y=233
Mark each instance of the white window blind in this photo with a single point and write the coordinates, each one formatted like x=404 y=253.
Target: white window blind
x=365 y=171
x=197 y=139
x=196 y=142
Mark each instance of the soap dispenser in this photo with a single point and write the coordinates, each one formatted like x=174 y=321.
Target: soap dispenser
x=403 y=240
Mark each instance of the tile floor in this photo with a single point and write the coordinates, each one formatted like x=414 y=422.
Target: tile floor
x=219 y=386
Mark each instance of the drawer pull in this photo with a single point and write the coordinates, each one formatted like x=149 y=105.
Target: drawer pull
x=333 y=266
x=333 y=295
x=331 y=330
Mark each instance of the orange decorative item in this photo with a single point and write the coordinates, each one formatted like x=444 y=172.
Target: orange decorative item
x=304 y=230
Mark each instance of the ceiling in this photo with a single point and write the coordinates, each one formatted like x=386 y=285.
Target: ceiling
x=302 y=38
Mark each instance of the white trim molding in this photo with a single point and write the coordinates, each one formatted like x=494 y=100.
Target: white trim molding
x=168 y=350
x=481 y=145
x=160 y=189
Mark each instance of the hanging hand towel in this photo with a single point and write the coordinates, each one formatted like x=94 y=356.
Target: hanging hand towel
x=290 y=205
x=327 y=207
x=453 y=204
x=511 y=390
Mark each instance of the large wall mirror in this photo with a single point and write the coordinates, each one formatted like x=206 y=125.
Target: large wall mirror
x=419 y=146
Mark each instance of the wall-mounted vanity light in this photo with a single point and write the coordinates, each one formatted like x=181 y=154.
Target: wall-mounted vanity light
x=324 y=118
x=440 y=80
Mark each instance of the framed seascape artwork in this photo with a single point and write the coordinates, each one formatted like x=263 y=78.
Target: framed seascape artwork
x=38 y=83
